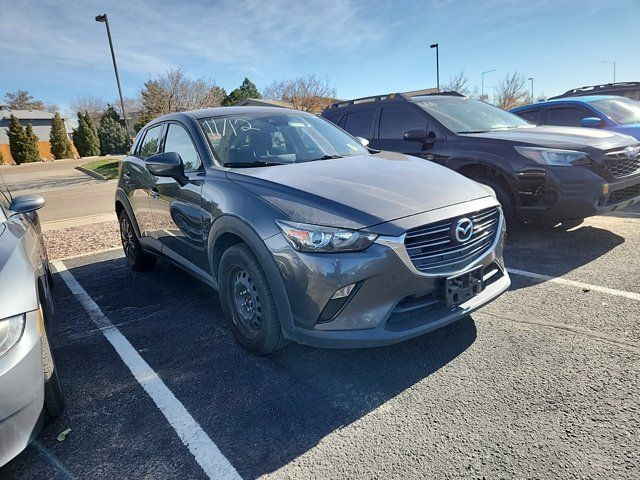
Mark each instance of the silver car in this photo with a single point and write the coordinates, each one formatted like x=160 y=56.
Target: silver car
x=30 y=391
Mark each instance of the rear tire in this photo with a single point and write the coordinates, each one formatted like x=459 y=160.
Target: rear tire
x=505 y=199
x=137 y=258
x=247 y=301
x=53 y=395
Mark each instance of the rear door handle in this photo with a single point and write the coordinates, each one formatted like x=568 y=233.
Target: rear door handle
x=155 y=193
x=126 y=176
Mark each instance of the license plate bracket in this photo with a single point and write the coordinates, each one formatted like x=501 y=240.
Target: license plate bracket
x=460 y=288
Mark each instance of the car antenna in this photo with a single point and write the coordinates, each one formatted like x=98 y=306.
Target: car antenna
x=7 y=188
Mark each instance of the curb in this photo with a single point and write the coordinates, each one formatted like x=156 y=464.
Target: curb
x=91 y=173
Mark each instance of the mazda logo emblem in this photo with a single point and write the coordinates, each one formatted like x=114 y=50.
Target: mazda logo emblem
x=463 y=230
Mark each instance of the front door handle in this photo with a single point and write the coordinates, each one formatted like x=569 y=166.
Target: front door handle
x=155 y=193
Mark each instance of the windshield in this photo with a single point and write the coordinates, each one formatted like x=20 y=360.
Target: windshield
x=465 y=115
x=621 y=110
x=276 y=138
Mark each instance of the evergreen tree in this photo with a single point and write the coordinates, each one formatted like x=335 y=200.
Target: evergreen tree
x=31 y=153
x=17 y=140
x=85 y=137
x=113 y=136
x=112 y=113
x=247 y=90
x=60 y=145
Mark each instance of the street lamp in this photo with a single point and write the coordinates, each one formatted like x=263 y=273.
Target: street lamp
x=435 y=45
x=531 y=78
x=612 y=62
x=103 y=19
x=482 y=88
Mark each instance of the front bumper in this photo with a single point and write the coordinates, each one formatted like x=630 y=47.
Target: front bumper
x=391 y=302
x=578 y=192
x=21 y=391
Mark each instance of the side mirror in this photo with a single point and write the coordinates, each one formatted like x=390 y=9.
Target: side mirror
x=26 y=203
x=591 y=122
x=168 y=164
x=363 y=141
x=420 y=135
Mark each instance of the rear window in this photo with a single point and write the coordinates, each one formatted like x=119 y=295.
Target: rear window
x=359 y=123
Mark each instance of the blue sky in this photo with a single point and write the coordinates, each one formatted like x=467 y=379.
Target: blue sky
x=56 y=51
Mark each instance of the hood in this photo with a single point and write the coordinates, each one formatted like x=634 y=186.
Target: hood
x=632 y=130
x=569 y=138
x=359 y=191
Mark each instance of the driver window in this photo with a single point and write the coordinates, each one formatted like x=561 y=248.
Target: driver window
x=179 y=141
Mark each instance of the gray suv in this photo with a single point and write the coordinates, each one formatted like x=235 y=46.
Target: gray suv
x=30 y=390
x=307 y=234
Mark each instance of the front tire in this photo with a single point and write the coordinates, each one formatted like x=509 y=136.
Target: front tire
x=247 y=301
x=505 y=199
x=136 y=257
x=53 y=396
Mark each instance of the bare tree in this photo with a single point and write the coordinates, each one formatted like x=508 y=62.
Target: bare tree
x=175 y=92
x=94 y=106
x=22 y=100
x=308 y=93
x=457 y=83
x=511 y=91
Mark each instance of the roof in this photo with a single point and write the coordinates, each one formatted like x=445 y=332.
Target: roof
x=581 y=99
x=219 y=111
x=610 y=87
x=402 y=97
x=26 y=114
x=263 y=102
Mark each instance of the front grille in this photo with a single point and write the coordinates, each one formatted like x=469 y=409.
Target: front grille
x=433 y=249
x=623 y=194
x=619 y=164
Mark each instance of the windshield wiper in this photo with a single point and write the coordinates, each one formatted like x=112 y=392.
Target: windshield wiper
x=474 y=131
x=257 y=163
x=326 y=157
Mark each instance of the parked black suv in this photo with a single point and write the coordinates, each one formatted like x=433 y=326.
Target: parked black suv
x=308 y=235
x=538 y=173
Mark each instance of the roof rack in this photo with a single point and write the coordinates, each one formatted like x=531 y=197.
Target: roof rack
x=594 y=89
x=389 y=96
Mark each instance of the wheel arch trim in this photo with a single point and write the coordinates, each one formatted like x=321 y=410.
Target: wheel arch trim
x=238 y=227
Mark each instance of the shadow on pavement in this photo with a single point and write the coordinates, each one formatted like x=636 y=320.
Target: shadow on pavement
x=262 y=412
x=556 y=251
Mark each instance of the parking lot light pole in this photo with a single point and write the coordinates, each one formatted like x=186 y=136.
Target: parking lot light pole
x=482 y=83
x=531 y=78
x=435 y=45
x=612 y=62
x=103 y=19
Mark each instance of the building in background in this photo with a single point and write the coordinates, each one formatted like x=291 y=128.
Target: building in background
x=39 y=120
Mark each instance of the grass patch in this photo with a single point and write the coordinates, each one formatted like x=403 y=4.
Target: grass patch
x=107 y=167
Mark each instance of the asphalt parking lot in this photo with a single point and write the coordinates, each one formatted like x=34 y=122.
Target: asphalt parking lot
x=542 y=383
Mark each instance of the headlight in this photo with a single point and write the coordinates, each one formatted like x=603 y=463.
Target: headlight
x=553 y=156
x=314 y=238
x=10 y=332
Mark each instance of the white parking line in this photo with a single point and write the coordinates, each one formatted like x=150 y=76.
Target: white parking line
x=206 y=453
x=573 y=283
